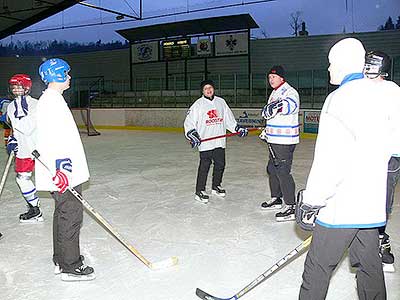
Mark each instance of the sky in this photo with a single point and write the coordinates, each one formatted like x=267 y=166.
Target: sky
x=321 y=17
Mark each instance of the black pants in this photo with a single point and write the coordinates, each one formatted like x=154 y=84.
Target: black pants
x=67 y=222
x=217 y=156
x=392 y=178
x=326 y=251
x=281 y=181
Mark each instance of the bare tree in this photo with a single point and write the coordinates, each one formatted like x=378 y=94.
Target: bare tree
x=295 y=22
x=264 y=32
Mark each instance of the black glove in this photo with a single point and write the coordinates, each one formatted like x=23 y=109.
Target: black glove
x=242 y=130
x=194 y=138
x=306 y=214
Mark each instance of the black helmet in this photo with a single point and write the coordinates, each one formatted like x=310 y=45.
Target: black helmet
x=377 y=63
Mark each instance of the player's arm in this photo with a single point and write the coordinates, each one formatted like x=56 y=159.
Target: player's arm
x=190 y=126
x=290 y=103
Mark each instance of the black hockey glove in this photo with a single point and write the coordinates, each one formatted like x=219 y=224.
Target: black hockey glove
x=194 y=138
x=306 y=214
x=242 y=131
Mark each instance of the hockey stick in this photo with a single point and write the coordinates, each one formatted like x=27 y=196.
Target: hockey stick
x=203 y=295
x=154 y=266
x=227 y=135
x=6 y=169
x=272 y=152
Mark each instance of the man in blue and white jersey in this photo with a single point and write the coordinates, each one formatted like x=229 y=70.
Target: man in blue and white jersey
x=281 y=133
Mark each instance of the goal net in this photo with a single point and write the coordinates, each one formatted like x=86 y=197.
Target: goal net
x=83 y=119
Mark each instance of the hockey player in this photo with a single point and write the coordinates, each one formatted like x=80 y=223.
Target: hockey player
x=210 y=116
x=4 y=102
x=281 y=134
x=377 y=68
x=61 y=149
x=22 y=116
x=347 y=181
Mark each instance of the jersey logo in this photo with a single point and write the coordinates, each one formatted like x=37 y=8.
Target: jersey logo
x=64 y=164
x=212 y=114
x=213 y=118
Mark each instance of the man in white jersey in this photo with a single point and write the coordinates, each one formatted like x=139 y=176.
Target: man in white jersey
x=61 y=150
x=377 y=68
x=210 y=116
x=281 y=133
x=346 y=186
x=22 y=115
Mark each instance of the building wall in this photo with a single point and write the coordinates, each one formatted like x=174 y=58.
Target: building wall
x=294 y=53
x=307 y=53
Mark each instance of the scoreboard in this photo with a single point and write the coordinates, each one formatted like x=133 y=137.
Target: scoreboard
x=176 y=49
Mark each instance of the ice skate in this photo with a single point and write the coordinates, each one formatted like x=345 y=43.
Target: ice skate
x=218 y=191
x=33 y=215
x=386 y=254
x=287 y=214
x=82 y=273
x=201 y=197
x=273 y=203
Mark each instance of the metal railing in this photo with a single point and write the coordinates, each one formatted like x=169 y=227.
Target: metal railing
x=239 y=90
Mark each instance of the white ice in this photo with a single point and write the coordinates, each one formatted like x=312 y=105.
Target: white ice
x=142 y=182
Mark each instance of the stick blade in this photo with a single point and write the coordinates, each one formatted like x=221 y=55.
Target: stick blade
x=203 y=295
x=167 y=263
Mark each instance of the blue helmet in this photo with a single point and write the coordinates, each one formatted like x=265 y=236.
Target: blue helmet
x=54 y=70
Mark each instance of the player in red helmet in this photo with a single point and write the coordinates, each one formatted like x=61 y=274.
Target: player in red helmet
x=22 y=115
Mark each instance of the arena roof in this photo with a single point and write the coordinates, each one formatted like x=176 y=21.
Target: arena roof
x=16 y=15
x=190 y=27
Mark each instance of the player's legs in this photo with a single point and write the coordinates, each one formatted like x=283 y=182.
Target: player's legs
x=363 y=253
x=218 y=156
x=202 y=172
x=284 y=158
x=67 y=221
x=326 y=250
x=273 y=179
x=24 y=168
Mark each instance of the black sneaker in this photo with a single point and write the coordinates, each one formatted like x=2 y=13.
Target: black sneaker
x=287 y=214
x=82 y=273
x=385 y=253
x=218 y=191
x=201 y=197
x=33 y=215
x=274 y=203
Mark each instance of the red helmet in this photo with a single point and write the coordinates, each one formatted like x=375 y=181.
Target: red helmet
x=23 y=80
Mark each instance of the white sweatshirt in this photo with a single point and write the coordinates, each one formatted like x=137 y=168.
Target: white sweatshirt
x=58 y=138
x=358 y=132
x=284 y=127
x=210 y=118
x=24 y=127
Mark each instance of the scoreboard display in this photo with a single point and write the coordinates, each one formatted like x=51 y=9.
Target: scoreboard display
x=176 y=49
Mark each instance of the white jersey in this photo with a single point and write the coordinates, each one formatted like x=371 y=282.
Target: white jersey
x=358 y=132
x=58 y=139
x=284 y=127
x=23 y=124
x=210 y=118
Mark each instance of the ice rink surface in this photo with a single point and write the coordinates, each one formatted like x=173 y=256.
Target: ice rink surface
x=142 y=182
